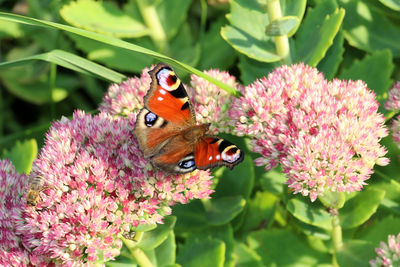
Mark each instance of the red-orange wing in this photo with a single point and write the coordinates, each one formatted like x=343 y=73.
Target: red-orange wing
x=212 y=151
x=168 y=98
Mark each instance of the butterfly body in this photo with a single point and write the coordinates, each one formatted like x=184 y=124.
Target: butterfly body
x=167 y=132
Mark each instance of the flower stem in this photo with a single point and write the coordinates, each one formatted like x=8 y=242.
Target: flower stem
x=140 y=257
x=281 y=42
x=152 y=21
x=336 y=236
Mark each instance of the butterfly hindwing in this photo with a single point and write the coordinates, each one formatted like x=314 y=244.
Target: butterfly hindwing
x=212 y=151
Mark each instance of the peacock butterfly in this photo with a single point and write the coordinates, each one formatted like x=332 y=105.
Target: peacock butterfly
x=167 y=132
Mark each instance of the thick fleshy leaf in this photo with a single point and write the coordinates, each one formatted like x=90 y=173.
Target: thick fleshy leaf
x=393 y=4
x=172 y=13
x=356 y=253
x=360 y=208
x=317 y=32
x=246 y=257
x=22 y=155
x=117 y=43
x=309 y=213
x=379 y=230
x=260 y=212
x=10 y=29
x=375 y=70
x=368 y=30
x=190 y=217
x=272 y=181
x=223 y=233
x=154 y=238
x=166 y=252
x=102 y=17
x=224 y=209
x=282 y=26
x=251 y=70
x=329 y=65
x=249 y=19
x=184 y=48
x=209 y=252
x=333 y=199
x=283 y=248
x=215 y=52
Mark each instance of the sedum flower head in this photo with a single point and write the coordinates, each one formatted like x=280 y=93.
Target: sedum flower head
x=210 y=102
x=12 y=204
x=99 y=185
x=388 y=254
x=324 y=134
x=393 y=100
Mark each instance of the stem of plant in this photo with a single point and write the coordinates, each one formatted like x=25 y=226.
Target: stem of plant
x=336 y=236
x=281 y=42
x=139 y=255
x=152 y=21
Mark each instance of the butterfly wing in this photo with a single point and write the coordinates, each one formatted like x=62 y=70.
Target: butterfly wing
x=167 y=111
x=212 y=151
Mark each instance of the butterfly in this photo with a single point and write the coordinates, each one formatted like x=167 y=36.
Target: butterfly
x=167 y=132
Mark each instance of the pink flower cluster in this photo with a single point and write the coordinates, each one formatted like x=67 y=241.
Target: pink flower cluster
x=210 y=102
x=99 y=186
x=388 y=254
x=393 y=100
x=13 y=187
x=324 y=134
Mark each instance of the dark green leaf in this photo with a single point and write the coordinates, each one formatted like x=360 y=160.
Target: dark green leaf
x=209 y=252
x=246 y=257
x=360 y=208
x=190 y=217
x=165 y=253
x=309 y=213
x=283 y=248
x=22 y=155
x=329 y=65
x=317 y=33
x=272 y=181
x=172 y=14
x=251 y=70
x=368 y=30
x=224 y=209
x=355 y=253
x=154 y=238
x=393 y=4
x=379 y=230
x=102 y=17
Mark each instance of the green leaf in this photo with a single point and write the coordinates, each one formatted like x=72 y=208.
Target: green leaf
x=22 y=155
x=309 y=213
x=115 y=57
x=282 y=26
x=239 y=181
x=332 y=199
x=208 y=252
x=360 y=208
x=117 y=43
x=224 y=209
x=246 y=257
x=355 y=253
x=251 y=70
x=190 y=217
x=272 y=181
x=393 y=4
x=215 y=52
x=260 y=211
x=184 y=48
x=144 y=227
x=10 y=29
x=329 y=65
x=379 y=230
x=283 y=248
x=249 y=20
x=102 y=17
x=223 y=233
x=165 y=253
x=375 y=70
x=317 y=33
x=70 y=61
x=367 y=29
x=172 y=14
x=154 y=238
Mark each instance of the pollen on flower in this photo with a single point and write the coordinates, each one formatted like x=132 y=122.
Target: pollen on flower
x=324 y=134
x=100 y=187
x=388 y=253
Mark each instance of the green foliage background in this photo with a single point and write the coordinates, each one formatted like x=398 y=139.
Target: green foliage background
x=61 y=55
